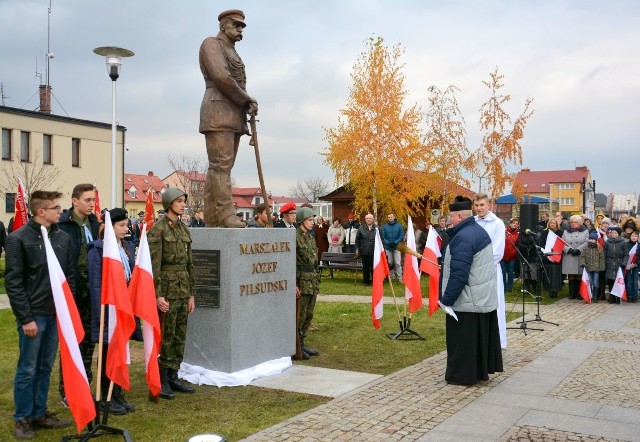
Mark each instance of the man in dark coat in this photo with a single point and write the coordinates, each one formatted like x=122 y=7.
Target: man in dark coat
x=31 y=298
x=80 y=223
x=223 y=115
x=365 y=245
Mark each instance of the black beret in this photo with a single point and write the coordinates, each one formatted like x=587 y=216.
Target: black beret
x=141 y=213
x=118 y=215
x=460 y=203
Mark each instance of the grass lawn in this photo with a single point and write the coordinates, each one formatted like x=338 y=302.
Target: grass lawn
x=345 y=338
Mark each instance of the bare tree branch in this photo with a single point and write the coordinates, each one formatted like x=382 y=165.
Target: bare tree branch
x=189 y=178
x=311 y=189
x=34 y=174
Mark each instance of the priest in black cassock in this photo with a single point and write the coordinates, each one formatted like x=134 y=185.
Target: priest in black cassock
x=468 y=286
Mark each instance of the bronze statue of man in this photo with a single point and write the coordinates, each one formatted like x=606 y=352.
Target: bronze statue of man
x=223 y=115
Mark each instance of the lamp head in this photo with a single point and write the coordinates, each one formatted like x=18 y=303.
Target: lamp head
x=114 y=56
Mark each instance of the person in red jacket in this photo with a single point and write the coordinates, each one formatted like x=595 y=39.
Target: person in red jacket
x=508 y=263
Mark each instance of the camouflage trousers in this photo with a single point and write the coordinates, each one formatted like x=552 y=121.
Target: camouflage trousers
x=174 y=333
x=83 y=302
x=307 y=305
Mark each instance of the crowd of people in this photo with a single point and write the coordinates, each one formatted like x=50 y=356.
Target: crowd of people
x=600 y=246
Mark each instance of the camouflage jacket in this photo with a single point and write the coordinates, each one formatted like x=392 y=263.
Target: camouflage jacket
x=307 y=276
x=170 y=248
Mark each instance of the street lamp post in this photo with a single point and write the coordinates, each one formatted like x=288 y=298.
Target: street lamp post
x=114 y=56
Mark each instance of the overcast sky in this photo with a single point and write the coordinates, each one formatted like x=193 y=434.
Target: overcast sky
x=579 y=60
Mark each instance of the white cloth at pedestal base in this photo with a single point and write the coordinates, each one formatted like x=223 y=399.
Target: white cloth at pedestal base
x=201 y=376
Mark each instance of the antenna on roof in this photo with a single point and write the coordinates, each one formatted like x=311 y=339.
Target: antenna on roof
x=2 y=95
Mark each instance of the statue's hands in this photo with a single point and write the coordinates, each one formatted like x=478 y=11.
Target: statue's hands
x=253 y=107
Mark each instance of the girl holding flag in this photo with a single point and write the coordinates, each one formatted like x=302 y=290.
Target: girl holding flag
x=592 y=259
x=119 y=220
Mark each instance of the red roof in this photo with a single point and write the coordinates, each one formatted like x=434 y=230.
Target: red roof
x=243 y=197
x=142 y=183
x=538 y=181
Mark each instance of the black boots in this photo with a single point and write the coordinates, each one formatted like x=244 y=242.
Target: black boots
x=118 y=397
x=176 y=384
x=574 y=287
x=114 y=407
x=165 y=389
x=308 y=350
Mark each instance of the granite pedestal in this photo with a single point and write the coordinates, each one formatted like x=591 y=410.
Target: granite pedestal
x=245 y=298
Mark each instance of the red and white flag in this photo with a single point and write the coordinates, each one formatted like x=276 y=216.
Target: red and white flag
x=70 y=333
x=429 y=265
x=143 y=297
x=554 y=245
x=585 y=287
x=148 y=209
x=600 y=238
x=411 y=274
x=20 y=218
x=116 y=296
x=97 y=210
x=380 y=273
x=633 y=257
x=619 y=288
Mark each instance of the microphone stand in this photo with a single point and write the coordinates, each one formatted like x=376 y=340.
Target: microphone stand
x=523 y=324
x=541 y=270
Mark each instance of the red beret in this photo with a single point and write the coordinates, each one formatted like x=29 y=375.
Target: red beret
x=288 y=207
x=351 y=216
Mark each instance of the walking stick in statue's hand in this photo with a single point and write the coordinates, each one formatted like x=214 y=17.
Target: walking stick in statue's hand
x=254 y=142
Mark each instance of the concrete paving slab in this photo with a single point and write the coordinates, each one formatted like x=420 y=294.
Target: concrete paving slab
x=4 y=301
x=573 y=348
x=481 y=420
x=619 y=414
x=543 y=403
x=552 y=364
x=441 y=436
x=316 y=380
x=530 y=383
x=591 y=426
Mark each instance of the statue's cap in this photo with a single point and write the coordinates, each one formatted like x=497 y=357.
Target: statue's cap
x=233 y=14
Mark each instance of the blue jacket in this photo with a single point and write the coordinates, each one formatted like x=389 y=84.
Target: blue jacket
x=392 y=234
x=468 y=277
x=94 y=265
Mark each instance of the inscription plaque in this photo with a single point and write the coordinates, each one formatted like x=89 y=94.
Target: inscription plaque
x=206 y=274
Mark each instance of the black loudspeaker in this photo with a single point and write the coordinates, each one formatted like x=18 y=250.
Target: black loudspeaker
x=528 y=217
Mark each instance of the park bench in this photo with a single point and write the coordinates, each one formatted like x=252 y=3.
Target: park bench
x=340 y=261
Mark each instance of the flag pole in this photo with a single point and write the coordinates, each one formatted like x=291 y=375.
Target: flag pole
x=100 y=363
x=393 y=293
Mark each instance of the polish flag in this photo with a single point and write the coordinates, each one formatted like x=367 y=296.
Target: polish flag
x=143 y=298
x=429 y=265
x=633 y=257
x=97 y=211
x=618 y=288
x=116 y=296
x=411 y=274
x=148 y=208
x=380 y=273
x=70 y=333
x=585 y=287
x=554 y=245
x=20 y=218
x=600 y=238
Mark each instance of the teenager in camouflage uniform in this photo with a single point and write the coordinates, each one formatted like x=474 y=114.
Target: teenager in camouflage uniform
x=307 y=276
x=170 y=247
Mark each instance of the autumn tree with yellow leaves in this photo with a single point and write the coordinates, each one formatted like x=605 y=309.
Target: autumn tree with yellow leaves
x=500 y=145
x=376 y=150
x=445 y=139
